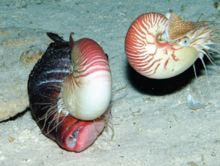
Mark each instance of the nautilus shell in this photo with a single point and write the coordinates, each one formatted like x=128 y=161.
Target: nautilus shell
x=87 y=90
x=159 y=46
x=48 y=89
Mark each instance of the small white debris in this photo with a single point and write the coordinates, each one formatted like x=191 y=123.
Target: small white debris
x=192 y=104
x=2 y=158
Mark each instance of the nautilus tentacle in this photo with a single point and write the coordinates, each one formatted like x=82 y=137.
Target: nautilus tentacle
x=87 y=91
x=160 y=47
x=47 y=105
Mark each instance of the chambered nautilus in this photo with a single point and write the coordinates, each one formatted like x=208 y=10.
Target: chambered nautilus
x=69 y=91
x=159 y=46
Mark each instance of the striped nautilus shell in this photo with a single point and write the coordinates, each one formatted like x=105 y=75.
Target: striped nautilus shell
x=87 y=91
x=159 y=46
x=69 y=91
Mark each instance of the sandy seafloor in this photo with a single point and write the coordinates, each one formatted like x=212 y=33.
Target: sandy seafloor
x=153 y=125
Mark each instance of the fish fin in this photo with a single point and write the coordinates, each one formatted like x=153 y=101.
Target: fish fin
x=55 y=37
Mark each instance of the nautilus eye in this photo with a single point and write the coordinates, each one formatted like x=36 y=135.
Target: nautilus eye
x=160 y=47
x=184 y=41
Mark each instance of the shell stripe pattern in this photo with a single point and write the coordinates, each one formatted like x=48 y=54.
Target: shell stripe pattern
x=139 y=37
x=89 y=60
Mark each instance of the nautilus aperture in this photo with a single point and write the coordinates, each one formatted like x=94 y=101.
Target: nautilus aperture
x=49 y=93
x=159 y=46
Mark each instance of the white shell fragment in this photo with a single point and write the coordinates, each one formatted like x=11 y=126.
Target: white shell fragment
x=192 y=104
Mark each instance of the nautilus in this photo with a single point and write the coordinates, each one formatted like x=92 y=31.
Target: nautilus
x=69 y=91
x=159 y=46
